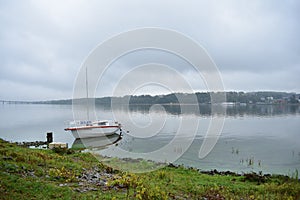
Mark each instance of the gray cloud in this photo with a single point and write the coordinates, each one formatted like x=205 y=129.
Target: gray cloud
x=43 y=43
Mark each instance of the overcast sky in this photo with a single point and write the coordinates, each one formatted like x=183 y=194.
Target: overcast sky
x=255 y=43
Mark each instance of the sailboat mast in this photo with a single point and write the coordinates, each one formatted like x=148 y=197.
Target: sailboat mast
x=87 y=93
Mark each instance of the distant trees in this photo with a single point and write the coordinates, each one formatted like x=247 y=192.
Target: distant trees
x=185 y=98
x=205 y=97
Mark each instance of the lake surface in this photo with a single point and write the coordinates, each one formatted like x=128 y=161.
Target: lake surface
x=254 y=138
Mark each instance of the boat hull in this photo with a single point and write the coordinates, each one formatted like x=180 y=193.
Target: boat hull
x=91 y=132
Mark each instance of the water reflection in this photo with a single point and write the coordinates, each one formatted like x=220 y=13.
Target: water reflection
x=96 y=142
x=206 y=109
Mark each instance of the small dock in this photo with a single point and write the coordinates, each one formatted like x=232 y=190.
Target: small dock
x=44 y=144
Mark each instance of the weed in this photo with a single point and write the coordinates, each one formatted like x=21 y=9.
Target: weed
x=62 y=174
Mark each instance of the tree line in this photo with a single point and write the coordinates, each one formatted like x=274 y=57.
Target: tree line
x=198 y=97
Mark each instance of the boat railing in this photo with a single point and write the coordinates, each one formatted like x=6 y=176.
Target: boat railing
x=80 y=123
x=91 y=123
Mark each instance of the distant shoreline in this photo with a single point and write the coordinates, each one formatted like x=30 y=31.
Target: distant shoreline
x=232 y=98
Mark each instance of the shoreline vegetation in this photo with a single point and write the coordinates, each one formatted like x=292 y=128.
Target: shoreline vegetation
x=72 y=174
x=232 y=98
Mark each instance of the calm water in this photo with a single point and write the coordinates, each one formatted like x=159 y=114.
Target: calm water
x=254 y=138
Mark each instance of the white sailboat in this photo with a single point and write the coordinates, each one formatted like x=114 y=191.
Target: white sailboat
x=88 y=128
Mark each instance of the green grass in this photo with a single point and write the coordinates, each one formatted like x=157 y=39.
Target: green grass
x=46 y=174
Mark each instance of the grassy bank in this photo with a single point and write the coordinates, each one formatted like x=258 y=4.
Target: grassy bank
x=46 y=174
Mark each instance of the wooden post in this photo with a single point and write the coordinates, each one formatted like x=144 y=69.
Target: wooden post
x=49 y=137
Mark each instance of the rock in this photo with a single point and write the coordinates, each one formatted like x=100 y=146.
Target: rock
x=7 y=158
x=172 y=165
x=80 y=183
x=31 y=173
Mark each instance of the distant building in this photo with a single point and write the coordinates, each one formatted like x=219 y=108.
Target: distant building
x=270 y=99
